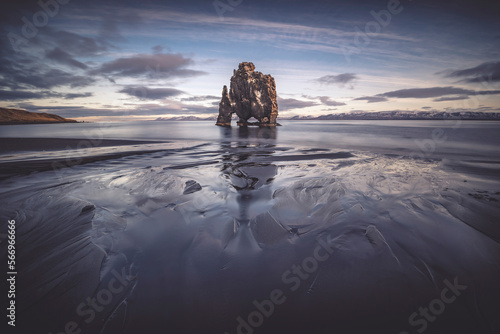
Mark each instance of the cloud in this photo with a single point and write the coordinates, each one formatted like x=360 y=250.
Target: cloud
x=340 y=80
x=109 y=30
x=71 y=96
x=14 y=95
x=39 y=65
x=281 y=33
x=483 y=73
x=145 y=93
x=201 y=98
x=287 y=104
x=53 y=78
x=64 y=58
x=440 y=94
x=29 y=73
x=371 y=99
x=7 y=95
x=451 y=98
x=157 y=49
x=423 y=93
x=149 y=65
x=74 y=44
x=326 y=101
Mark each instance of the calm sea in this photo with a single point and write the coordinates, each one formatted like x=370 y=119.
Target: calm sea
x=424 y=139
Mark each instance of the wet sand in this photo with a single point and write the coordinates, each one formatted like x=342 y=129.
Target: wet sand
x=9 y=146
x=247 y=236
x=57 y=144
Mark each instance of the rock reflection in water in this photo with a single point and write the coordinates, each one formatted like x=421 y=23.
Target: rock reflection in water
x=243 y=167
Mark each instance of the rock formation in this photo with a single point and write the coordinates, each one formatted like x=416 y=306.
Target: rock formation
x=252 y=94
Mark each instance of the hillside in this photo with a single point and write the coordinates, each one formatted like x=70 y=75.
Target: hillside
x=18 y=116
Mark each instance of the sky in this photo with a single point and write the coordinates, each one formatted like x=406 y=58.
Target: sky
x=140 y=60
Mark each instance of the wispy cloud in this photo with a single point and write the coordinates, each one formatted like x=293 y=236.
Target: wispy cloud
x=483 y=73
x=371 y=99
x=329 y=102
x=8 y=95
x=423 y=93
x=74 y=44
x=279 y=26
x=290 y=103
x=15 y=95
x=341 y=80
x=451 y=98
x=145 y=93
x=71 y=96
x=62 y=57
x=149 y=65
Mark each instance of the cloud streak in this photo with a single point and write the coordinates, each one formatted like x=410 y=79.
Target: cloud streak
x=145 y=93
x=159 y=66
x=288 y=104
x=329 y=102
x=451 y=98
x=483 y=73
x=371 y=99
x=16 y=95
x=424 y=93
x=8 y=95
x=340 y=80
x=62 y=57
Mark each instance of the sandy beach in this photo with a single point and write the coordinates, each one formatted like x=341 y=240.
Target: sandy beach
x=56 y=144
x=36 y=162
x=250 y=235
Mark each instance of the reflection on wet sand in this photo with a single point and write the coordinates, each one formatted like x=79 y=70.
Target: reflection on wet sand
x=355 y=241
x=248 y=175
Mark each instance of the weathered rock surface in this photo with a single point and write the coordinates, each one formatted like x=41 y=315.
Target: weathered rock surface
x=251 y=94
x=191 y=187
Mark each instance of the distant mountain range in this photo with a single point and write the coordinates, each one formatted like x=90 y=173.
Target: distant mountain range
x=403 y=115
x=18 y=116
x=382 y=115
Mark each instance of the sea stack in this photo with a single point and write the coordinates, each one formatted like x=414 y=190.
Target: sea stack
x=251 y=94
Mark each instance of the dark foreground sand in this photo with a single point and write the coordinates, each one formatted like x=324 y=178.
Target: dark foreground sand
x=248 y=237
x=40 y=164
x=57 y=144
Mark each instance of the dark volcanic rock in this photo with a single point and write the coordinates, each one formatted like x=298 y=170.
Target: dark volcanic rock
x=252 y=94
x=225 y=109
x=191 y=187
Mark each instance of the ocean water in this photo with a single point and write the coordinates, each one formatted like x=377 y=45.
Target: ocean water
x=422 y=138
x=318 y=227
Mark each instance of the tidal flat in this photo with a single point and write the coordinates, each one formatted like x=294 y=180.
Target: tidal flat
x=333 y=227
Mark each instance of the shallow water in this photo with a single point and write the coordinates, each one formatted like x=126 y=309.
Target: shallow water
x=427 y=138
x=346 y=227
